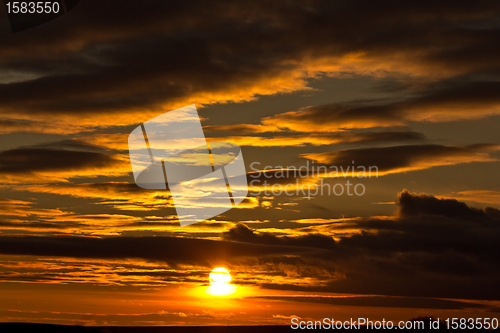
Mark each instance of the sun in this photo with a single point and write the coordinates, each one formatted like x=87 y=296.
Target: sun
x=220 y=283
x=219 y=275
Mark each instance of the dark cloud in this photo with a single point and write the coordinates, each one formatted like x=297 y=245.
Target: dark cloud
x=59 y=160
x=36 y=225
x=120 y=195
x=431 y=248
x=241 y=233
x=446 y=101
x=7 y=126
x=239 y=128
x=142 y=57
x=405 y=158
x=172 y=250
x=411 y=205
x=26 y=160
x=112 y=189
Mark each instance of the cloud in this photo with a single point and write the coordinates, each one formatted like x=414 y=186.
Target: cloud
x=369 y=163
x=241 y=128
x=445 y=101
x=430 y=248
x=9 y=126
x=26 y=217
x=483 y=196
x=411 y=205
x=320 y=139
x=278 y=316
x=124 y=196
x=130 y=272
x=59 y=161
x=403 y=158
x=452 y=102
x=364 y=163
x=135 y=65
x=377 y=301
x=119 y=195
x=9 y=207
x=241 y=233
x=172 y=250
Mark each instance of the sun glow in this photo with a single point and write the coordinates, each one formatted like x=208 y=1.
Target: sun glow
x=220 y=283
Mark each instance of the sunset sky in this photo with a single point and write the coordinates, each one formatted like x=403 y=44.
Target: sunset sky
x=411 y=88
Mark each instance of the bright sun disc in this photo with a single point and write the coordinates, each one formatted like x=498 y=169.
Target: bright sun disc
x=219 y=275
x=219 y=283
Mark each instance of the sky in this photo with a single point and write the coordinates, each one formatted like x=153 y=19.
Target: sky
x=409 y=89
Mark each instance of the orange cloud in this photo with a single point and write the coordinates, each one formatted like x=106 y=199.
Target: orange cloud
x=319 y=139
x=482 y=196
x=25 y=208
x=119 y=195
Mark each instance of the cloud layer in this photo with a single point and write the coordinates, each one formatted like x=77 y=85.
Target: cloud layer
x=136 y=63
x=430 y=248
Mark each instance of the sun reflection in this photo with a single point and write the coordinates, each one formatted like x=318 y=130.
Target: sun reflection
x=220 y=283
